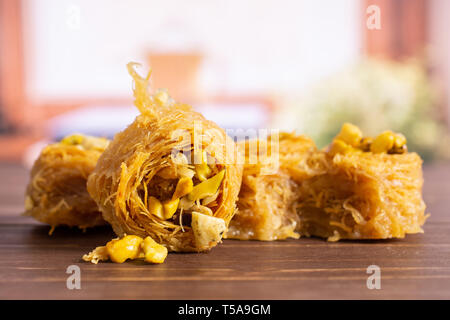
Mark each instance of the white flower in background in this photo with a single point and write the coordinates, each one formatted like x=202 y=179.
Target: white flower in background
x=376 y=96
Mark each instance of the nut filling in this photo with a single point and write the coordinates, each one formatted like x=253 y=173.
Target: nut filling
x=350 y=138
x=178 y=190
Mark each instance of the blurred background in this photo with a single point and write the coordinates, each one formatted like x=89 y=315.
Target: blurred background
x=297 y=65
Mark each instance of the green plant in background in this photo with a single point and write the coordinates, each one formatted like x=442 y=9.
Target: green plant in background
x=376 y=96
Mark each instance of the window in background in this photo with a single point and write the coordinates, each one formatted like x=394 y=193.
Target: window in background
x=79 y=48
x=72 y=55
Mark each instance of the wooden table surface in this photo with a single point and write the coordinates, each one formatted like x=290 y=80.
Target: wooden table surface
x=33 y=265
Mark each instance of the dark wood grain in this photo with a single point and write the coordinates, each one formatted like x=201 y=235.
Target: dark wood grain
x=33 y=264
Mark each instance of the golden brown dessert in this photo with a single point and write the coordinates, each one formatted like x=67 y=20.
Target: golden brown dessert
x=267 y=199
x=360 y=188
x=56 y=193
x=371 y=189
x=171 y=175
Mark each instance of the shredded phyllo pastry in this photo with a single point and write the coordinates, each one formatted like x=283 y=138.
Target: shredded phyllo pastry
x=267 y=200
x=56 y=193
x=171 y=175
x=371 y=189
x=359 y=188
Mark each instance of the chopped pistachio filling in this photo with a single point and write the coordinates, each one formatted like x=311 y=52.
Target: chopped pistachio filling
x=350 y=138
x=120 y=250
x=85 y=142
x=130 y=247
x=207 y=230
x=176 y=191
x=73 y=139
x=207 y=188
